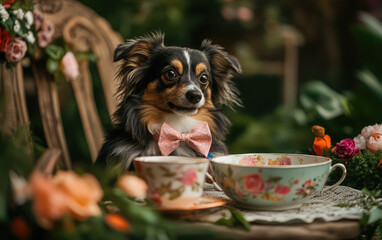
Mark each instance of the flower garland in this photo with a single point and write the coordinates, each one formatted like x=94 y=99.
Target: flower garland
x=23 y=30
x=362 y=157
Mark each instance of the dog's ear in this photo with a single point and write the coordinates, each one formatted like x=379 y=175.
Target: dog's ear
x=135 y=56
x=222 y=66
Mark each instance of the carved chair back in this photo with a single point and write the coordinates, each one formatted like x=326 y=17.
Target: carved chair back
x=82 y=30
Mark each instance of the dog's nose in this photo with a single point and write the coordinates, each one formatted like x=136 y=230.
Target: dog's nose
x=193 y=96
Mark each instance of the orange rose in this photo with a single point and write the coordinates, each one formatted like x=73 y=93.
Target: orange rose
x=133 y=186
x=49 y=202
x=82 y=192
x=64 y=194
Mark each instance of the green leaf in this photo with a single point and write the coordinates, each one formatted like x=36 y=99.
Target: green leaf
x=375 y=214
x=174 y=194
x=52 y=65
x=54 y=51
x=240 y=219
x=326 y=102
x=236 y=220
x=371 y=81
x=372 y=23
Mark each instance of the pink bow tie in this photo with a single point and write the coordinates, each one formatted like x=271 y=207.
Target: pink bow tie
x=199 y=139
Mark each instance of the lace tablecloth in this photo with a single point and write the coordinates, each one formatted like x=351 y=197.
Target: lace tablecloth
x=322 y=207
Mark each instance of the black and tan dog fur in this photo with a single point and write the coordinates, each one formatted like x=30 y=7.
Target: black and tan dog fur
x=179 y=86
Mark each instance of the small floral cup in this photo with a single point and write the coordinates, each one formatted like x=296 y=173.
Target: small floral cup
x=174 y=182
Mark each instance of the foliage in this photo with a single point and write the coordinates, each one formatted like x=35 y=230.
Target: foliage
x=362 y=170
x=371 y=222
x=235 y=220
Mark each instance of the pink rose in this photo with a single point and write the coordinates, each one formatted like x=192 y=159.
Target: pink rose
x=247 y=161
x=346 y=149
x=16 y=50
x=283 y=190
x=308 y=183
x=374 y=142
x=360 y=140
x=190 y=177
x=254 y=183
x=285 y=161
x=70 y=66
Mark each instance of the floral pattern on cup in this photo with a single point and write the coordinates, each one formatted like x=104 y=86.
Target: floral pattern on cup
x=270 y=189
x=178 y=180
x=257 y=160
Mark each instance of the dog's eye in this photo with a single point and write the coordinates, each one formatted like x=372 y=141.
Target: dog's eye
x=170 y=75
x=203 y=79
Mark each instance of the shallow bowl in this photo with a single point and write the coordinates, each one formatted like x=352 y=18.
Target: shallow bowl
x=273 y=181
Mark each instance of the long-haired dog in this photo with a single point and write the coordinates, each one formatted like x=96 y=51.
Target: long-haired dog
x=179 y=86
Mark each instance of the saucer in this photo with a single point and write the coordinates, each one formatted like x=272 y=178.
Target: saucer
x=203 y=202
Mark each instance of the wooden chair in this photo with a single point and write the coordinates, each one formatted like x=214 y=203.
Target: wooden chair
x=83 y=30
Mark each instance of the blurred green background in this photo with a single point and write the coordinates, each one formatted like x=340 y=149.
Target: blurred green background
x=338 y=45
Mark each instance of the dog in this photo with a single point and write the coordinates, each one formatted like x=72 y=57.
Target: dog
x=180 y=86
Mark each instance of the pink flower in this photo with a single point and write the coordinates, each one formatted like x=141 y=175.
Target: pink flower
x=16 y=50
x=247 y=161
x=47 y=27
x=283 y=190
x=360 y=140
x=296 y=181
x=43 y=39
x=190 y=177
x=285 y=161
x=46 y=33
x=156 y=197
x=37 y=19
x=307 y=183
x=346 y=149
x=374 y=142
x=254 y=183
x=244 y=14
x=70 y=66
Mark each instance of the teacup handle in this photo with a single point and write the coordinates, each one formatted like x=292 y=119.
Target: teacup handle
x=217 y=187
x=344 y=171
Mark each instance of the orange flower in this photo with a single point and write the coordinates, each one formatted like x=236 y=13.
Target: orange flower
x=380 y=163
x=321 y=141
x=117 y=222
x=49 y=202
x=82 y=193
x=133 y=186
x=64 y=194
x=20 y=228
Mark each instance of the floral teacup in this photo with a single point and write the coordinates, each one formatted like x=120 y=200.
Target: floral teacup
x=174 y=182
x=273 y=181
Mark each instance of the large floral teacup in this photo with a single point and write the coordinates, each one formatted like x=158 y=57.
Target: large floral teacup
x=174 y=182
x=273 y=181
